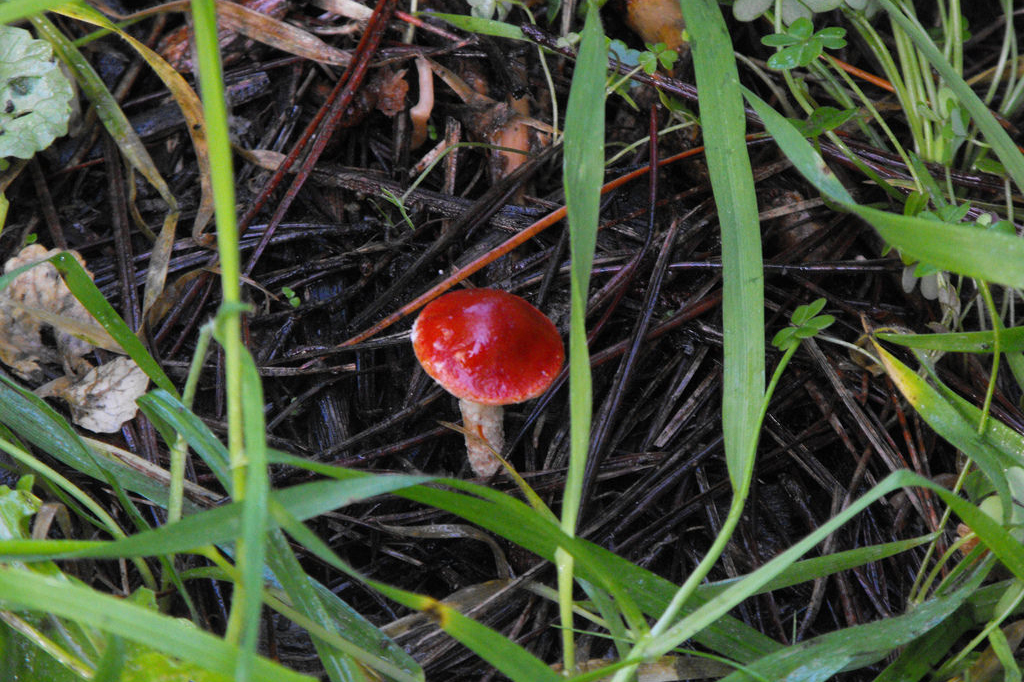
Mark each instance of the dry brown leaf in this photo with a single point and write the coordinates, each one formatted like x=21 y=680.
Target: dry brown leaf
x=104 y=398
x=276 y=33
x=40 y=289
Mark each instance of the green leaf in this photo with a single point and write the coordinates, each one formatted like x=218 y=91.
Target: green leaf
x=787 y=58
x=802 y=28
x=784 y=338
x=779 y=40
x=489 y=27
x=824 y=119
x=748 y=10
x=35 y=96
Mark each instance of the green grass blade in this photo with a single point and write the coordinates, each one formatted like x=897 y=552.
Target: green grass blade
x=376 y=649
x=723 y=128
x=979 y=253
x=1011 y=340
x=1004 y=546
x=171 y=418
x=950 y=423
x=12 y=10
x=22 y=589
x=829 y=564
x=86 y=291
x=583 y=172
x=39 y=424
x=505 y=655
x=213 y=526
x=247 y=601
x=855 y=647
x=920 y=658
x=633 y=588
x=354 y=627
x=994 y=133
x=89 y=295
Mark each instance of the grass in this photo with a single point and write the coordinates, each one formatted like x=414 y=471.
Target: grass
x=250 y=540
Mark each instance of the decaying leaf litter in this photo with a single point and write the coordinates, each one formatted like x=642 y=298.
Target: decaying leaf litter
x=379 y=220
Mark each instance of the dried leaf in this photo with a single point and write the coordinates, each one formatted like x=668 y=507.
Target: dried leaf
x=35 y=299
x=104 y=398
x=276 y=33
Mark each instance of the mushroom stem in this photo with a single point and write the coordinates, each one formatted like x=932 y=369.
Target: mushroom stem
x=420 y=114
x=484 y=422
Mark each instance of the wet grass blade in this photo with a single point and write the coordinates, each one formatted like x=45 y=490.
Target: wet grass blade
x=39 y=424
x=634 y=589
x=723 y=127
x=984 y=254
x=365 y=643
x=1002 y=544
x=23 y=589
x=1011 y=340
x=855 y=647
x=583 y=172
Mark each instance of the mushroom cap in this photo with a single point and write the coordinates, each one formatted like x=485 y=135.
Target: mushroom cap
x=487 y=346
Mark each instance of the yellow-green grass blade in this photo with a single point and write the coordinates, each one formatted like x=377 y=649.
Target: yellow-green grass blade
x=950 y=423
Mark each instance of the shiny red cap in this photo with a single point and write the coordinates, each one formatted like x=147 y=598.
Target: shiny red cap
x=487 y=346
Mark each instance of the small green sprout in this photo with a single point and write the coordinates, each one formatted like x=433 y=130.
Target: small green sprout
x=657 y=54
x=291 y=296
x=806 y=323
x=801 y=44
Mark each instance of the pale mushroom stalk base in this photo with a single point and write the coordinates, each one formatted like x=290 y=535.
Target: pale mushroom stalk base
x=485 y=423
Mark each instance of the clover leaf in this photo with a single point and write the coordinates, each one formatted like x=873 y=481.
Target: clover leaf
x=806 y=322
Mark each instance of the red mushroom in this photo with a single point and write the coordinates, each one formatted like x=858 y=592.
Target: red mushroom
x=488 y=348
